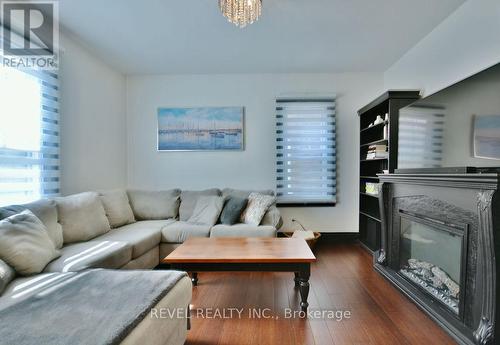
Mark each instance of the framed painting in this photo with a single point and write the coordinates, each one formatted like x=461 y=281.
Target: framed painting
x=486 y=136
x=201 y=129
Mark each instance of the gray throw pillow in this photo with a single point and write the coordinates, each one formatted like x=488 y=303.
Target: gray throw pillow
x=258 y=204
x=232 y=211
x=117 y=207
x=7 y=274
x=207 y=210
x=25 y=244
x=46 y=211
x=82 y=217
x=189 y=199
x=153 y=205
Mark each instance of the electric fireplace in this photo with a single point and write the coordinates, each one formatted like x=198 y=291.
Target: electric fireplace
x=440 y=247
x=432 y=255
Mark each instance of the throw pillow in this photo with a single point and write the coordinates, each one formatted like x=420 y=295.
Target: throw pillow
x=82 y=217
x=258 y=204
x=46 y=211
x=189 y=199
x=151 y=205
x=25 y=244
x=207 y=210
x=7 y=274
x=117 y=208
x=232 y=211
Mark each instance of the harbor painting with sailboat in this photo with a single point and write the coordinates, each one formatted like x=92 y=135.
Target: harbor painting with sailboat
x=200 y=129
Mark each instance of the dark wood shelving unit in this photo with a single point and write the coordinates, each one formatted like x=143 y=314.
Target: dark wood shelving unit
x=369 y=212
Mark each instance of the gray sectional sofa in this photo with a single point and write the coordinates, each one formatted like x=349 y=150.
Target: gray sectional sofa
x=158 y=225
x=128 y=230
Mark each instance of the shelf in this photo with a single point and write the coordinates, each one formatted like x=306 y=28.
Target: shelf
x=369 y=177
x=370 y=225
x=367 y=194
x=374 y=126
x=375 y=142
x=370 y=216
x=374 y=159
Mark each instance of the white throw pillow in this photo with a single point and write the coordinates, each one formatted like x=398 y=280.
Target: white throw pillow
x=257 y=206
x=82 y=217
x=117 y=207
x=207 y=210
x=189 y=199
x=25 y=243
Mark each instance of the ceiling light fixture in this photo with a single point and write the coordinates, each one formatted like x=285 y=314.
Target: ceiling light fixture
x=241 y=12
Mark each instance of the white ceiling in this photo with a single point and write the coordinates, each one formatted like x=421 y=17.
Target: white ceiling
x=292 y=36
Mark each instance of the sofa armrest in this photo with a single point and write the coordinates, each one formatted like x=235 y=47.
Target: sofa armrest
x=272 y=217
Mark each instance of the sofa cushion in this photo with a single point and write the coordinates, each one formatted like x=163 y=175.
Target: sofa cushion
x=240 y=193
x=142 y=236
x=152 y=205
x=232 y=210
x=91 y=254
x=189 y=199
x=46 y=211
x=7 y=274
x=178 y=232
x=258 y=204
x=82 y=217
x=242 y=230
x=117 y=207
x=25 y=243
x=207 y=210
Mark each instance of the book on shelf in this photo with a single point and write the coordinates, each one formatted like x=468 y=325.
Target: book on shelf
x=374 y=155
x=377 y=151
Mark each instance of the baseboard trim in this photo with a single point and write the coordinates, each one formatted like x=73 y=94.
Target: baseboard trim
x=339 y=237
x=335 y=237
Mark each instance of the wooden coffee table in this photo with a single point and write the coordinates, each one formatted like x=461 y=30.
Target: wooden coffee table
x=246 y=254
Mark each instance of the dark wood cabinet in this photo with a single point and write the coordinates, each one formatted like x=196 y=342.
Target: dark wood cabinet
x=380 y=134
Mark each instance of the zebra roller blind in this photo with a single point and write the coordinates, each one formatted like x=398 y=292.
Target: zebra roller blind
x=305 y=151
x=29 y=135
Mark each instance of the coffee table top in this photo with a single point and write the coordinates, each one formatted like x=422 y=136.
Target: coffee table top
x=241 y=250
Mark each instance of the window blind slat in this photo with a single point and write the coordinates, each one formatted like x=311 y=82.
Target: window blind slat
x=305 y=151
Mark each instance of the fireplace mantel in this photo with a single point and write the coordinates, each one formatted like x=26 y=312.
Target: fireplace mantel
x=470 y=200
x=469 y=181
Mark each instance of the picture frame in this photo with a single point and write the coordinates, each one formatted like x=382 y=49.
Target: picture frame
x=486 y=136
x=200 y=129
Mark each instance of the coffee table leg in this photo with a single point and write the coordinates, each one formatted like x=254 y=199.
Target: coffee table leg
x=296 y=280
x=304 y=287
x=194 y=278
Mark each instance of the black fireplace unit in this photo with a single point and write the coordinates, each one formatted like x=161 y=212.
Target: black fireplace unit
x=440 y=246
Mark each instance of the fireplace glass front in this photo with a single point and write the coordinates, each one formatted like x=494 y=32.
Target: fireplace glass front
x=431 y=257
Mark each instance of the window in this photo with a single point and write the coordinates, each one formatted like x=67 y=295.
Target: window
x=306 y=152
x=29 y=135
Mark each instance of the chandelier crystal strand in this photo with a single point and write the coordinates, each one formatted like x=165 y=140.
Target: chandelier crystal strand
x=241 y=12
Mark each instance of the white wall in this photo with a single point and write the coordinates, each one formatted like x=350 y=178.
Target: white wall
x=462 y=45
x=93 y=128
x=253 y=168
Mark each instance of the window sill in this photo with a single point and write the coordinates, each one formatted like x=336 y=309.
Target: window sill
x=306 y=204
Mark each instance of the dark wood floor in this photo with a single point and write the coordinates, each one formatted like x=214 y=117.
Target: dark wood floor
x=342 y=279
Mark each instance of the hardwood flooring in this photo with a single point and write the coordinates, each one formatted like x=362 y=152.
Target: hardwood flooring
x=341 y=280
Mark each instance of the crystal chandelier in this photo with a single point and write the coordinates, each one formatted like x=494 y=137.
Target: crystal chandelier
x=241 y=12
